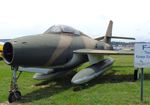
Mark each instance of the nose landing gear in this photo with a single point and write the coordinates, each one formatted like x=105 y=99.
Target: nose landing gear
x=14 y=93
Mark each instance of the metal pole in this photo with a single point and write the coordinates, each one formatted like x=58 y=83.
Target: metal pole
x=142 y=79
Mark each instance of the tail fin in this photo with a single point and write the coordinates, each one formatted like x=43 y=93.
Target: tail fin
x=107 y=37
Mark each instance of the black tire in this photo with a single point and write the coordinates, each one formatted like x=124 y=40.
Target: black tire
x=11 y=98
x=14 y=96
x=18 y=95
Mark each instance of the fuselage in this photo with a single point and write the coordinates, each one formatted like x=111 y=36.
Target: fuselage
x=52 y=49
x=45 y=50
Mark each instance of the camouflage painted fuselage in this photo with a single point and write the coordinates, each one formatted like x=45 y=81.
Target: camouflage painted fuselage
x=47 y=50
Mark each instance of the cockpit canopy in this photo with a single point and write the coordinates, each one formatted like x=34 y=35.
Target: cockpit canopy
x=62 y=29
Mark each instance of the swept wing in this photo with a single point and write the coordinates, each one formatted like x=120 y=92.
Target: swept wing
x=104 y=52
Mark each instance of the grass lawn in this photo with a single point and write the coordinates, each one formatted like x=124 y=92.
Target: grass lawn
x=115 y=87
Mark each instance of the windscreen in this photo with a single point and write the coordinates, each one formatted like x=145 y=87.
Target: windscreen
x=62 y=29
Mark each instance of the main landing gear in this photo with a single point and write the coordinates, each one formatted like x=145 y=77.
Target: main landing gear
x=14 y=93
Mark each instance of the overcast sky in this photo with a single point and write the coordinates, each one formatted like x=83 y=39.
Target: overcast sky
x=27 y=17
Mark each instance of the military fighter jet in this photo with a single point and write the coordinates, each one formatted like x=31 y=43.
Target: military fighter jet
x=57 y=51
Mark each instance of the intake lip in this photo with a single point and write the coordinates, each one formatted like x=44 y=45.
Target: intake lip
x=8 y=52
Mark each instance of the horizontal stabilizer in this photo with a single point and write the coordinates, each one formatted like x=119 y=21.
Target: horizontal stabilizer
x=118 y=37
x=115 y=37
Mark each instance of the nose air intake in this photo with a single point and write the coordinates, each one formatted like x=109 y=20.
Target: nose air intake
x=8 y=52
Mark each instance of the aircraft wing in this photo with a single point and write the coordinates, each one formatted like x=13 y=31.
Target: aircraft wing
x=99 y=64
x=104 y=52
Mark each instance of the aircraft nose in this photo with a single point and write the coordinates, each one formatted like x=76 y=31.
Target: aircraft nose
x=27 y=51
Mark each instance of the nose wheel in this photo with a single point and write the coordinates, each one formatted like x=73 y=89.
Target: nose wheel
x=14 y=93
x=14 y=96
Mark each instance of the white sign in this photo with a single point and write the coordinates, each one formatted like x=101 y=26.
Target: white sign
x=142 y=55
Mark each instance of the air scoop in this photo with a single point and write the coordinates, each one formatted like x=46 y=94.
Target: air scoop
x=32 y=51
x=8 y=52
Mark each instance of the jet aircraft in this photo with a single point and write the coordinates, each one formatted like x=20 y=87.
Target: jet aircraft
x=57 y=51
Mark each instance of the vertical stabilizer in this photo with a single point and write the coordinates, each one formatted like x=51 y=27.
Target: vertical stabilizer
x=108 y=34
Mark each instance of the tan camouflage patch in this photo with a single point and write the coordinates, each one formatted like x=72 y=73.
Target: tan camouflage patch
x=89 y=43
x=63 y=44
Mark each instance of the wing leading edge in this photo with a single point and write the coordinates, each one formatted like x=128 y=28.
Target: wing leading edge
x=104 y=52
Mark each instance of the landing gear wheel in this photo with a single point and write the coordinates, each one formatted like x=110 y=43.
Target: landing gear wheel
x=14 y=96
x=18 y=95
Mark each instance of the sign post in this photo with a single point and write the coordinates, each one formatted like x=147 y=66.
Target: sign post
x=142 y=60
x=142 y=79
